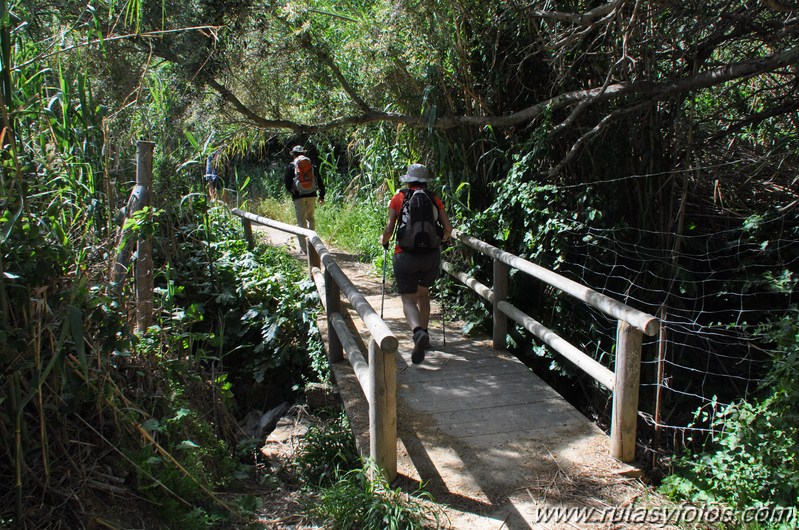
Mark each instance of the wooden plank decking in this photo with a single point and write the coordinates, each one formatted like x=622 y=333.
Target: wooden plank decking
x=484 y=435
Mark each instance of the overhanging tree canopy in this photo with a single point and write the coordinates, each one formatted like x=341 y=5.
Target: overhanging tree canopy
x=315 y=65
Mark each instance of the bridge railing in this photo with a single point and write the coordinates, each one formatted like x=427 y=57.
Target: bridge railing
x=623 y=382
x=377 y=373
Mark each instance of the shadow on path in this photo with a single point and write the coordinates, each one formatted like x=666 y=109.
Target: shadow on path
x=486 y=437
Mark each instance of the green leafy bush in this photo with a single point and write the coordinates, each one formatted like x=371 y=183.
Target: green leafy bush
x=348 y=494
x=327 y=451
x=225 y=317
x=753 y=457
x=194 y=458
x=258 y=307
x=362 y=499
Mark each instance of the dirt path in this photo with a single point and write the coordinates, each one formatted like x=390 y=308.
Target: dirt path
x=504 y=483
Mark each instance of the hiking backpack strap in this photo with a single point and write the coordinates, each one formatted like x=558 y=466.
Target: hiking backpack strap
x=418 y=229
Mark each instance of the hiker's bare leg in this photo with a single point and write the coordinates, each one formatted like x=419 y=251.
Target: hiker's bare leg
x=411 y=309
x=416 y=307
x=423 y=303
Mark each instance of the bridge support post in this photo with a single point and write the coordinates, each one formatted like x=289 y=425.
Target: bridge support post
x=383 y=410
x=500 y=293
x=335 y=352
x=313 y=255
x=625 y=392
x=247 y=224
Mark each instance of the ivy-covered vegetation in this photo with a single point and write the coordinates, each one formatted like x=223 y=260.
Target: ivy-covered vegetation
x=646 y=149
x=752 y=463
x=155 y=412
x=99 y=424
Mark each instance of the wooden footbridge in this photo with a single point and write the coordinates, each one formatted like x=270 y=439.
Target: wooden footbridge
x=485 y=435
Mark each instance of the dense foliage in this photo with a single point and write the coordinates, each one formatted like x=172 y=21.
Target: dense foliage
x=362 y=499
x=91 y=412
x=752 y=462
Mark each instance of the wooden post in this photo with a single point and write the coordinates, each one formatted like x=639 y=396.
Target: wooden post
x=625 y=392
x=659 y=387
x=383 y=410
x=335 y=352
x=313 y=255
x=144 y=260
x=500 y=294
x=247 y=224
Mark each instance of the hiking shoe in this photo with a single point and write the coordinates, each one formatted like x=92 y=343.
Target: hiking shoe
x=421 y=341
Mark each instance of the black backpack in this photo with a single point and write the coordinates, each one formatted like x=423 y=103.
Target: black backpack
x=418 y=230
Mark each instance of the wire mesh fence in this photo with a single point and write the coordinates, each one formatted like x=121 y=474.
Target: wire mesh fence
x=714 y=284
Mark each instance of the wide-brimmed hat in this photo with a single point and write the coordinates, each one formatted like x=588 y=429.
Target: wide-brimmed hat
x=416 y=173
x=298 y=150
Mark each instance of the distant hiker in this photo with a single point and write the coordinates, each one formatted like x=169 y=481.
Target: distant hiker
x=304 y=184
x=213 y=180
x=421 y=225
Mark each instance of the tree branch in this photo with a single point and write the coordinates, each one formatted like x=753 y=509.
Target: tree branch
x=582 y=19
x=755 y=119
x=781 y=6
x=582 y=140
x=645 y=89
x=325 y=57
x=248 y=113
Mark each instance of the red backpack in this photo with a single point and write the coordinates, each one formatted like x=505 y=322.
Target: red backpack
x=304 y=179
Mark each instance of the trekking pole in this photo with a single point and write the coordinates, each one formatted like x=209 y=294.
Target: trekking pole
x=383 y=294
x=442 y=301
x=443 y=325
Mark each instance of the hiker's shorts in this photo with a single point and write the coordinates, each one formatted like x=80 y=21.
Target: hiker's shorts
x=413 y=270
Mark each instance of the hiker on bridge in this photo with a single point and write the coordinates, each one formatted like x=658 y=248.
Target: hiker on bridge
x=422 y=226
x=303 y=183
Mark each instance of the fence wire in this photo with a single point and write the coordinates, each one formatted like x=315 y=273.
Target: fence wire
x=712 y=286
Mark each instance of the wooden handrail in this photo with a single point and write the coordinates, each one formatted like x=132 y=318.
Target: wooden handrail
x=377 y=377
x=624 y=381
x=553 y=340
x=646 y=323
x=377 y=327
